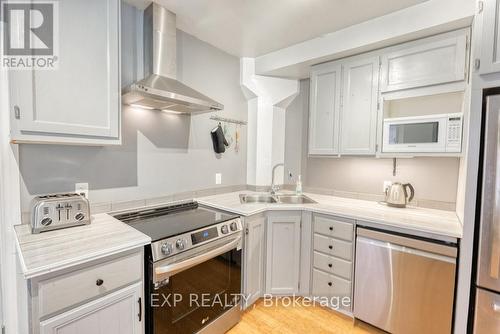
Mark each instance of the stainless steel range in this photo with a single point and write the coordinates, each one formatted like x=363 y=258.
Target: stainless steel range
x=192 y=268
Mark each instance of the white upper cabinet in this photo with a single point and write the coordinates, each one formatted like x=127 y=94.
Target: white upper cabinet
x=358 y=116
x=80 y=101
x=490 y=45
x=430 y=61
x=324 y=109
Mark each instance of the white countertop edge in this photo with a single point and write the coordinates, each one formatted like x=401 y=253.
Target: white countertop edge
x=425 y=232
x=28 y=274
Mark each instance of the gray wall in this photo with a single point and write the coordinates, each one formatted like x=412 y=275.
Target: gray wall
x=434 y=179
x=161 y=153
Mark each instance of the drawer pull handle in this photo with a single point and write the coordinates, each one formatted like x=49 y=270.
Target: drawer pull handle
x=331 y=247
x=99 y=282
x=330 y=284
x=331 y=228
x=330 y=265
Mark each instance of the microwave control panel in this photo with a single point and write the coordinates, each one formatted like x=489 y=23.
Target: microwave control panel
x=454 y=134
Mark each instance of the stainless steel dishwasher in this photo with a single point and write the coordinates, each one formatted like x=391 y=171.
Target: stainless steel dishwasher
x=404 y=285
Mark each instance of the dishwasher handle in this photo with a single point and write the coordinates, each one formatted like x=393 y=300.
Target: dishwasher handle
x=409 y=243
x=407 y=250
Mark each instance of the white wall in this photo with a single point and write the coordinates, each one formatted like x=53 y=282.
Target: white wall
x=161 y=153
x=425 y=19
x=10 y=215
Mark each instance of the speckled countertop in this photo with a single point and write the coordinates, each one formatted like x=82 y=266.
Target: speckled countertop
x=437 y=224
x=55 y=250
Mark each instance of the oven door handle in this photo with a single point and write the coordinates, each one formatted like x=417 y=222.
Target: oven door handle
x=174 y=268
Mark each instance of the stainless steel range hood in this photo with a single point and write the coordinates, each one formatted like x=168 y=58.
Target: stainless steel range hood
x=160 y=89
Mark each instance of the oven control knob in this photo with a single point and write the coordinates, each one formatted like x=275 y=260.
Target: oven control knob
x=167 y=248
x=224 y=229
x=233 y=226
x=180 y=244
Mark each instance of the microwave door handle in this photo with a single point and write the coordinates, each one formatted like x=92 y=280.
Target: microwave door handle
x=174 y=268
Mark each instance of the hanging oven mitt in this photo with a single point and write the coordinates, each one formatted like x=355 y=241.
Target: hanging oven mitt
x=219 y=140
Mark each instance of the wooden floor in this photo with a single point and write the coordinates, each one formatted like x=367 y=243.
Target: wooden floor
x=297 y=319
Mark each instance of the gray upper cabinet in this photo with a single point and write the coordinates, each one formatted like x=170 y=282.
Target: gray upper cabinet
x=254 y=253
x=80 y=101
x=324 y=109
x=490 y=51
x=358 y=116
x=283 y=253
x=430 y=61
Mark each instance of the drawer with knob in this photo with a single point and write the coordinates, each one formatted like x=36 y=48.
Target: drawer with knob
x=333 y=265
x=334 y=247
x=61 y=292
x=334 y=227
x=331 y=286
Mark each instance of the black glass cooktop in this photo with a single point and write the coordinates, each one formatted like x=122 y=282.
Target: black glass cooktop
x=168 y=221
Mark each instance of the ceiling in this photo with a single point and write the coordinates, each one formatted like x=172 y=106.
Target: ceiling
x=251 y=28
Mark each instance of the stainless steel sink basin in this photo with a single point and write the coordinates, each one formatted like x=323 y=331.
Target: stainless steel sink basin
x=250 y=198
x=279 y=199
x=294 y=199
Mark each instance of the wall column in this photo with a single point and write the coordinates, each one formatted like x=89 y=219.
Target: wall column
x=267 y=97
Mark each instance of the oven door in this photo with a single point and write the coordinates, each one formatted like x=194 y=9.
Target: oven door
x=197 y=291
x=422 y=135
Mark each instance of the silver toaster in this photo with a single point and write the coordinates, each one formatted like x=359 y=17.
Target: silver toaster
x=52 y=212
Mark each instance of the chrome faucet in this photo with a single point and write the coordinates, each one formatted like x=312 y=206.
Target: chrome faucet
x=275 y=187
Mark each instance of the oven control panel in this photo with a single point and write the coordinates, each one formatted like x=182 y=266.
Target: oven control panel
x=169 y=247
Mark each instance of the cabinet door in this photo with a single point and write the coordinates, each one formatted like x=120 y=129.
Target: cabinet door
x=254 y=258
x=81 y=98
x=431 y=61
x=490 y=46
x=358 y=117
x=117 y=313
x=324 y=109
x=283 y=255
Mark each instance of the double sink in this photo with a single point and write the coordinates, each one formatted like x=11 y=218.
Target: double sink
x=278 y=199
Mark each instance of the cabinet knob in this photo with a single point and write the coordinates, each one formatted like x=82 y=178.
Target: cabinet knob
x=330 y=265
x=330 y=284
x=99 y=282
x=331 y=228
x=331 y=247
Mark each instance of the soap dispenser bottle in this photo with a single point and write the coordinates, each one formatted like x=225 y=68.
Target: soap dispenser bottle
x=298 y=186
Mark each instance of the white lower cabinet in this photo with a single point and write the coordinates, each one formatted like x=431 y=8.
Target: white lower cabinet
x=254 y=255
x=117 y=313
x=283 y=253
x=103 y=296
x=333 y=256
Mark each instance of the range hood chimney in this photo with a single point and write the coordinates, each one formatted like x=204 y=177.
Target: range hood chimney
x=160 y=88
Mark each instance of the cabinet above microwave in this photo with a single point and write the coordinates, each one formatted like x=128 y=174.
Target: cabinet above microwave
x=423 y=134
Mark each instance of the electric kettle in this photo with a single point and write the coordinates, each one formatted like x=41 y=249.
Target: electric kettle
x=397 y=195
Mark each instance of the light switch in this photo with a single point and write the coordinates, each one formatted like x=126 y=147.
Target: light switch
x=218 y=178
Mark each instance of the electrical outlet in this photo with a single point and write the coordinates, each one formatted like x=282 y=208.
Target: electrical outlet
x=218 y=178
x=82 y=189
x=387 y=184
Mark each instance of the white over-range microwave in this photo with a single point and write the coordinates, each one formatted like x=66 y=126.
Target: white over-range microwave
x=423 y=134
